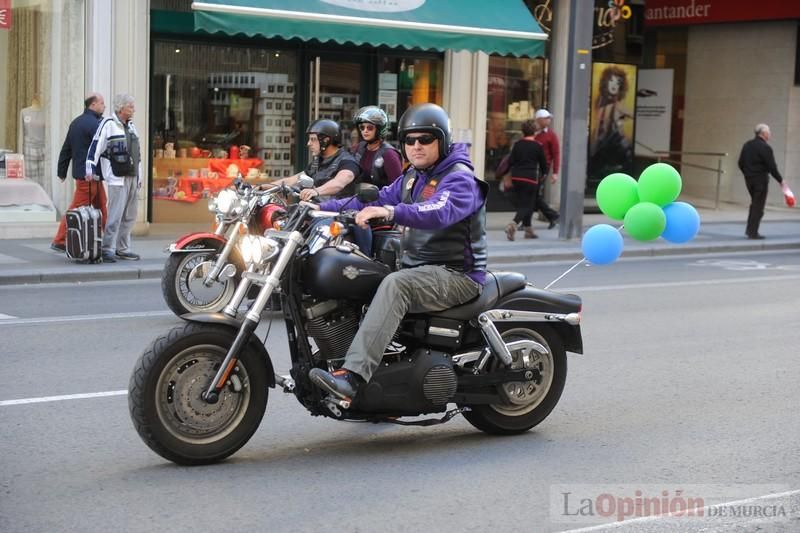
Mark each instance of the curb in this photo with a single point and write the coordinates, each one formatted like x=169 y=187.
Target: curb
x=70 y=274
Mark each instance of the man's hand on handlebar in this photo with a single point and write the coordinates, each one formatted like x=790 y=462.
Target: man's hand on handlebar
x=371 y=212
x=307 y=195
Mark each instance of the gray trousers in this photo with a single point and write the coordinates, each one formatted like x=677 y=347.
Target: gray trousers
x=410 y=290
x=122 y=207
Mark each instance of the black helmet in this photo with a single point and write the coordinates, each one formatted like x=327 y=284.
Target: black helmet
x=375 y=116
x=428 y=118
x=328 y=131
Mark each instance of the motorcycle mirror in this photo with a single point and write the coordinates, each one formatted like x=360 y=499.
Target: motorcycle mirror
x=305 y=181
x=367 y=193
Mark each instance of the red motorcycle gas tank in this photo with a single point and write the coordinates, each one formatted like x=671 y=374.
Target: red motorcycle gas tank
x=267 y=216
x=339 y=274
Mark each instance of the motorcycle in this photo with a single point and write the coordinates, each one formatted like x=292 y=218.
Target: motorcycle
x=198 y=393
x=203 y=268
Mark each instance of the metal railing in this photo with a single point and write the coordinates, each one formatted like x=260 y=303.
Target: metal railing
x=664 y=156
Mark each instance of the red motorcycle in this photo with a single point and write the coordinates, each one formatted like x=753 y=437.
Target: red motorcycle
x=203 y=268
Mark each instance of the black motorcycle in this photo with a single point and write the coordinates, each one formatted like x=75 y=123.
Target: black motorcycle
x=198 y=393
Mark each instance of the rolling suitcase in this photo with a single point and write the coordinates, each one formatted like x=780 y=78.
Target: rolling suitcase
x=85 y=234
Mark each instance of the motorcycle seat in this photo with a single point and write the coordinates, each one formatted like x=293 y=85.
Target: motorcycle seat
x=497 y=285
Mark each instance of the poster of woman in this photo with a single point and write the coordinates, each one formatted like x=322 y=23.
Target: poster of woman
x=612 y=120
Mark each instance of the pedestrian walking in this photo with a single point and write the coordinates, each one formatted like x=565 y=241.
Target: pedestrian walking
x=528 y=167
x=115 y=155
x=552 y=152
x=757 y=162
x=76 y=145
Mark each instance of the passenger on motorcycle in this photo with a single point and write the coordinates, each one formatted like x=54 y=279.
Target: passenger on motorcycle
x=379 y=161
x=441 y=204
x=334 y=170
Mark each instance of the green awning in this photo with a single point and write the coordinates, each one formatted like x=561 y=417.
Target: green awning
x=505 y=28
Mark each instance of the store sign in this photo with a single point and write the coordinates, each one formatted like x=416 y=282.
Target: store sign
x=608 y=14
x=5 y=14
x=653 y=111
x=689 y=12
x=384 y=6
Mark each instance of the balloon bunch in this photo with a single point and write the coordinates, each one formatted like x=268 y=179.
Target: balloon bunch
x=647 y=208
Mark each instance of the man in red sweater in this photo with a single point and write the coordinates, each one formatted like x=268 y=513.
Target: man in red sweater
x=552 y=152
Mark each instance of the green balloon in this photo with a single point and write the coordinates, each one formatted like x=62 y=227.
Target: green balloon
x=616 y=194
x=645 y=221
x=659 y=183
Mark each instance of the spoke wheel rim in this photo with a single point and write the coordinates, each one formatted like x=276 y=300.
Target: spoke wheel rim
x=178 y=396
x=523 y=397
x=191 y=290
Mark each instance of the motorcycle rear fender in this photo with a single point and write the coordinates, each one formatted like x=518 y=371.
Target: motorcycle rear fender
x=530 y=298
x=200 y=241
x=235 y=323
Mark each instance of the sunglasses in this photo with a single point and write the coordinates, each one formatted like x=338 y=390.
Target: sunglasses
x=424 y=140
x=366 y=127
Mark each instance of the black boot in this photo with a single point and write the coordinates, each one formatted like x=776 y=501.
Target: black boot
x=341 y=383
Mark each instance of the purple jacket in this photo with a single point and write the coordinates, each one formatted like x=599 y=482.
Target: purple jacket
x=457 y=197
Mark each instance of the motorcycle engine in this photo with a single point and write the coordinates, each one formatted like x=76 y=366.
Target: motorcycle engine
x=332 y=325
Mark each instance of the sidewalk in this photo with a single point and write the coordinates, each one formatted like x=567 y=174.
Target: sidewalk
x=32 y=261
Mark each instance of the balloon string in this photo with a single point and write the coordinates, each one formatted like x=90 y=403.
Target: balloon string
x=573 y=267
x=570 y=269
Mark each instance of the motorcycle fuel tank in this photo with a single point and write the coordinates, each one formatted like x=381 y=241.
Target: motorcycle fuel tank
x=342 y=274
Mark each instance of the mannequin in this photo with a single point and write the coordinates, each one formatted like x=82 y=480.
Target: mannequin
x=32 y=141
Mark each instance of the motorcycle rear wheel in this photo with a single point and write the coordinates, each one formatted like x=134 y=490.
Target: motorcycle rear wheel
x=529 y=404
x=164 y=395
x=184 y=293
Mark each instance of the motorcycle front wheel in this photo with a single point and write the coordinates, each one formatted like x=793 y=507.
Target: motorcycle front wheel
x=165 y=402
x=526 y=404
x=183 y=287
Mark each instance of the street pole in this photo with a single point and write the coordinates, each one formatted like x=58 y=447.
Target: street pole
x=572 y=31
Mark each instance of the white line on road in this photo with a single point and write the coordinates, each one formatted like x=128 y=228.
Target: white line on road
x=81 y=318
x=588 y=288
x=41 y=399
x=6 y=317
x=642 y=519
x=667 y=284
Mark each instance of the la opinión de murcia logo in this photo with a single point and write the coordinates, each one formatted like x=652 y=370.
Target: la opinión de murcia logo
x=606 y=18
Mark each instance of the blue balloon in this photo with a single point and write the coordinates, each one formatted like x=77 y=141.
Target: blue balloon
x=602 y=244
x=683 y=222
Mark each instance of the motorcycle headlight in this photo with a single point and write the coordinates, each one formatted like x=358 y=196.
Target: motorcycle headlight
x=226 y=200
x=256 y=249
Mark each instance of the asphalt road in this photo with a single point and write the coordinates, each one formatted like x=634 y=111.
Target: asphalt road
x=688 y=383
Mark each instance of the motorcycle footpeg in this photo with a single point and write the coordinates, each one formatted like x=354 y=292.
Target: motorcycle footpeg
x=334 y=405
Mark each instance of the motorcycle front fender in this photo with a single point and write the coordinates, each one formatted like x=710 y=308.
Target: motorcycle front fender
x=235 y=323
x=198 y=242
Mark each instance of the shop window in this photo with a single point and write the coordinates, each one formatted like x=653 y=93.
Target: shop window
x=406 y=80
x=211 y=104
x=515 y=92
x=31 y=116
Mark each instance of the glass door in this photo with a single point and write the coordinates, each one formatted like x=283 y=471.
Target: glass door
x=335 y=93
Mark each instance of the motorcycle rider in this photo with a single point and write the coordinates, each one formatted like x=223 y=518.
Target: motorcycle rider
x=334 y=169
x=443 y=208
x=379 y=161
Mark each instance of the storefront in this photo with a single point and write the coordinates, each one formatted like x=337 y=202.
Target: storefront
x=42 y=50
x=231 y=74
x=735 y=64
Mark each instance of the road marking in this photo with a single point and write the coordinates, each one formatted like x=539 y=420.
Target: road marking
x=6 y=317
x=642 y=519
x=64 y=397
x=81 y=318
x=667 y=284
